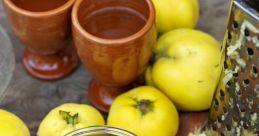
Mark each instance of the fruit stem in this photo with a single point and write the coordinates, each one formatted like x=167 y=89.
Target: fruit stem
x=145 y=106
x=70 y=119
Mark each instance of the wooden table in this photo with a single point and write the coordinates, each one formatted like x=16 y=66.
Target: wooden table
x=31 y=99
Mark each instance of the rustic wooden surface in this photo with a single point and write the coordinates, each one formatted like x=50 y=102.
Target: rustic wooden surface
x=31 y=99
x=7 y=61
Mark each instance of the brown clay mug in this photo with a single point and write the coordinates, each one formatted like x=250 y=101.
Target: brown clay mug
x=44 y=26
x=114 y=40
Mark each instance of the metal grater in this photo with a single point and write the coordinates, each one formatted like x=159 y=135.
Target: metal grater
x=235 y=108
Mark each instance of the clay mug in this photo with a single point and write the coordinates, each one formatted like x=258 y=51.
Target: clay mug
x=114 y=40
x=44 y=27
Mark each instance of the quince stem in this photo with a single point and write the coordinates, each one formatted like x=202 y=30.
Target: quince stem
x=145 y=106
x=70 y=119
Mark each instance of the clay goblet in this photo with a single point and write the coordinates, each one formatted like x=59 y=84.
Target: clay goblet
x=114 y=40
x=44 y=27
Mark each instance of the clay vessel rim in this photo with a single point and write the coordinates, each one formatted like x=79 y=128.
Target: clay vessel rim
x=39 y=14
x=149 y=24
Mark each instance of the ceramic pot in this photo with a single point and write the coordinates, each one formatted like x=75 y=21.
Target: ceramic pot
x=44 y=27
x=114 y=40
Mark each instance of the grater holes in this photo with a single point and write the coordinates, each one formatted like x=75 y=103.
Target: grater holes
x=228 y=84
x=225 y=65
x=222 y=95
x=247 y=33
x=245 y=95
x=235 y=74
x=216 y=104
x=245 y=125
x=242 y=111
x=225 y=110
x=246 y=82
x=235 y=25
x=250 y=51
x=254 y=69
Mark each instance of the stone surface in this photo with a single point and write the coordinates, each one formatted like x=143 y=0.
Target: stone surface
x=31 y=99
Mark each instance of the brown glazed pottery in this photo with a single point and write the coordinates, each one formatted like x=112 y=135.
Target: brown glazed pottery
x=44 y=26
x=114 y=40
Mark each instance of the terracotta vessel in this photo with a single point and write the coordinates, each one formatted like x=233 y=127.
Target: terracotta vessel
x=114 y=40
x=44 y=26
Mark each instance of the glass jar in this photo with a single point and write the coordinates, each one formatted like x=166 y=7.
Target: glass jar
x=100 y=131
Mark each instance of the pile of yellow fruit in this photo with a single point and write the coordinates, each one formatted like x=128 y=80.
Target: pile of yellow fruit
x=182 y=77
